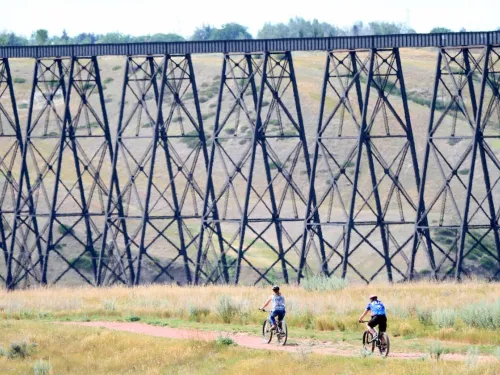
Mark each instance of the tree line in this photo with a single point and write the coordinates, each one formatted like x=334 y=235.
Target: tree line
x=295 y=28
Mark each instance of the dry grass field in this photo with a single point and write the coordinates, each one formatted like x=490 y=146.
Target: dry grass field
x=460 y=318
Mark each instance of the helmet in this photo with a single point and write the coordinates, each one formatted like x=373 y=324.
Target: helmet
x=373 y=296
x=275 y=288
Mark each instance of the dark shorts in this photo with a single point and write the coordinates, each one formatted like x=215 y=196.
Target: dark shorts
x=380 y=321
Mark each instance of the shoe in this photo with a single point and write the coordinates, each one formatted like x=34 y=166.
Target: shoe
x=273 y=327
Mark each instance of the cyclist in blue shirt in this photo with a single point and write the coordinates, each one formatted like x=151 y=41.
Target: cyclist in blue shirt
x=377 y=310
x=277 y=308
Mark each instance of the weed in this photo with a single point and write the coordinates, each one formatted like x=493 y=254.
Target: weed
x=19 y=80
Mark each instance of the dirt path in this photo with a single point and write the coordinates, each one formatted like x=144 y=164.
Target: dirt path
x=255 y=342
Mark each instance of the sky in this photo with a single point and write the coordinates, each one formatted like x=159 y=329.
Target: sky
x=138 y=17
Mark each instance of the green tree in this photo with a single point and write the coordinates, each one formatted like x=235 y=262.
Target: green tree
x=230 y=31
x=202 y=33
x=166 y=38
x=440 y=30
x=41 y=36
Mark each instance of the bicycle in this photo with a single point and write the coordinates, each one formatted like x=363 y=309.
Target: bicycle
x=369 y=341
x=281 y=330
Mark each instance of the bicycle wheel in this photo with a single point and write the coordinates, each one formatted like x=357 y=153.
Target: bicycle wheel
x=283 y=334
x=267 y=334
x=384 y=344
x=368 y=344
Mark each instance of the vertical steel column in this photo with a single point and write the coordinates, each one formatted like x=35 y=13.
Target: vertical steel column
x=66 y=123
x=26 y=222
x=421 y=223
x=210 y=215
x=117 y=220
x=255 y=139
x=361 y=140
x=10 y=153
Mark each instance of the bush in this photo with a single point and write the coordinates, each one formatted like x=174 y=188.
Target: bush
x=23 y=106
x=436 y=350
x=117 y=67
x=482 y=315
x=226 y=341
x=196 y=313
x=472 y=356
x=84 y=263
x=133 y=318
x=444 y=318
x=41 y=367
x=19 y=80
x=65 y=229
x=321 y=282
x=20 y=349
x=203 y=99
x=424 y=316
x=108 y=80
x=226 y=309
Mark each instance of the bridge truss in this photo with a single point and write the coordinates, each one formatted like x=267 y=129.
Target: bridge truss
x=258 y=197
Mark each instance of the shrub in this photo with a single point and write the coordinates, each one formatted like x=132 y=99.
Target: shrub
x=443 y=318
x=110 y=305
x=424 y=316
x=108 y=80
x=482 y=315
x=208 y=115
x=20 y=349
x=42 y=367
x=204 y=84
x=320 y=282
x=23 y=106
x=65 y=229
x=133 y=318
x=212 y=105
x=226 y=309
x=196 y=313
x=84 y=263
x=436 y=350
x=225 y=340
x=203 y=99
x=463 y=171
x=116 y=67
x=472 y=356
x=19 y=80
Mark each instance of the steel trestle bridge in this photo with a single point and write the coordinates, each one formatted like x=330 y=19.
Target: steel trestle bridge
x=150 y=193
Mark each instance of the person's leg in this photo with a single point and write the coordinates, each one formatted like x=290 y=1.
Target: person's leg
x=280 y=315
x=371 y=326
x=382 y=327
x=272 y=319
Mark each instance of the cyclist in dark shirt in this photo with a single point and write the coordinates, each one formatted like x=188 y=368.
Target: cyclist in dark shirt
x=377 y=310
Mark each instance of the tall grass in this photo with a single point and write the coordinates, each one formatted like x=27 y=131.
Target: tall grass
x=322 y=283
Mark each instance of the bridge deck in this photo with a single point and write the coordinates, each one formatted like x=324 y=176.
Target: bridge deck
x=258 y=45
